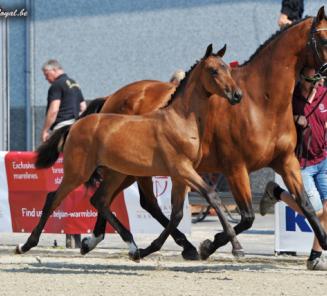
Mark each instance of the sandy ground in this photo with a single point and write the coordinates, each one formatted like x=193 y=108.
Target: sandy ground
x=165 y=273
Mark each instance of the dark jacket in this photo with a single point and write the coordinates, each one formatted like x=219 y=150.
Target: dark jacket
x=293 y=9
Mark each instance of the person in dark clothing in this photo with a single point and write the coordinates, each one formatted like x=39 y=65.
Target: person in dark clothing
x=310 y=113
x=292 y=10
x=65 y=100
x=64 y=104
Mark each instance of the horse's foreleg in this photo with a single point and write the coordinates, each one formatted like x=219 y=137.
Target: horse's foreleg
x=89 y=243
x=149 y=202
x=102 y=201
x=52 y=201
x=177 y=200
x=240 y=187
x=197 y=183
x=291 y=174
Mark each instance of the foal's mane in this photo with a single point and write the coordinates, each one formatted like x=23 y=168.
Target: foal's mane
x=272 y=37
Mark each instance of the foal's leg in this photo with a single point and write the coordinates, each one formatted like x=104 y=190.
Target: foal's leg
x=289 y=169
x=53 y=200
x=149 y=202
x=197 y=183
x=177 y=200
x=103 y=199
x=89 y=243
x=191 y=178
x=240 y=186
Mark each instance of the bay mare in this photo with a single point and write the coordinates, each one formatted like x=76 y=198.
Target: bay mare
x=164 y=142
x=259 y=132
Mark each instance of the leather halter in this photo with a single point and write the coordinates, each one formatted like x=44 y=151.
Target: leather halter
x=322 y=72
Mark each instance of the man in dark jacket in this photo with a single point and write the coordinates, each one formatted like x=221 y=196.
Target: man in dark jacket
x=292 y=10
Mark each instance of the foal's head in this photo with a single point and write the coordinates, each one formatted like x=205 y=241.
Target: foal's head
x=216 y=76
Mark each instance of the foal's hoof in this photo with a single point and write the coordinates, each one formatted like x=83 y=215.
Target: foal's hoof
x=205 y=249
x=136 y=257
x=191 y=254
x=238 y=253
x=18 y=249
x=84 y=246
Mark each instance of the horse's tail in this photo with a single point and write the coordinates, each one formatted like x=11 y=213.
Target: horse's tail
x=93 y=107
x=49 y=151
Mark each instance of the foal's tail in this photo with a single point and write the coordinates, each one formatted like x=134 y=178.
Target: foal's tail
x=49 y=151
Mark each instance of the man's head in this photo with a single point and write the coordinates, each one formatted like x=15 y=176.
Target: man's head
x=51 y=70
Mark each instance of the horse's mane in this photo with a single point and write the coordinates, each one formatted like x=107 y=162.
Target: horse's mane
x=272 y=37
x=181 y=85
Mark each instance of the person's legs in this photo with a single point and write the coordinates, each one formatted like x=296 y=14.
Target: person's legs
x=315 y=260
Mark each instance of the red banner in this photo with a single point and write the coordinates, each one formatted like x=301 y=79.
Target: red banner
x=27 y=191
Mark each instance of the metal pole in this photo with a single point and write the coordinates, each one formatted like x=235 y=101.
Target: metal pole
x=29 y=79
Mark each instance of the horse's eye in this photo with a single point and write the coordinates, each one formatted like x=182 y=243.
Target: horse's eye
x=323 y=42
x=214 y=72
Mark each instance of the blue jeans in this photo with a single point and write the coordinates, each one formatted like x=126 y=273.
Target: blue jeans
x=315 y=183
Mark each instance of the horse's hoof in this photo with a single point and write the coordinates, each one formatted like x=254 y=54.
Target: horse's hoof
x=191 y=254
x=84 y=246
x=19 y=250
x=238 y=253
x=205 y=248
x=135 y=256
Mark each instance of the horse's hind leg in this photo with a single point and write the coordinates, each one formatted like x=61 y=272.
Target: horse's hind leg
x=53 y=200
x=103 y=198
x=89 y=243
x=149 y=203
x=239 y=184
x=177 y=200
x=291 y=174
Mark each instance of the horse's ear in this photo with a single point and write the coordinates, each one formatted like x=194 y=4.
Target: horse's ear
x=209 y=51
x=222 y=51
x=321 y=14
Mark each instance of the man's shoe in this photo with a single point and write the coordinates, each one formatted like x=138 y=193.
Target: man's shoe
x=319 y=263
x=268 y=199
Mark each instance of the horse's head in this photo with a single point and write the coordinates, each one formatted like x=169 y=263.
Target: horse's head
x=318 y=40
x=216 y=76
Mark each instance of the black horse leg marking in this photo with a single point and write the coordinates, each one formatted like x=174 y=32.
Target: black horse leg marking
x=229 y=232
x=103 y=199
x=239 y=184
x=149 y=202
x=120 y=228
x=177 y=199
x=208 y=247
x=33 y=239
x=89 y=243
x=308 y=211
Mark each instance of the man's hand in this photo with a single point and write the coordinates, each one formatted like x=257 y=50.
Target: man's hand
x=45 y=135
x=283 y=20
x=301 y=121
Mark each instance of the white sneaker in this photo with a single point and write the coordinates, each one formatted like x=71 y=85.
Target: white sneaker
x=319 y=263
